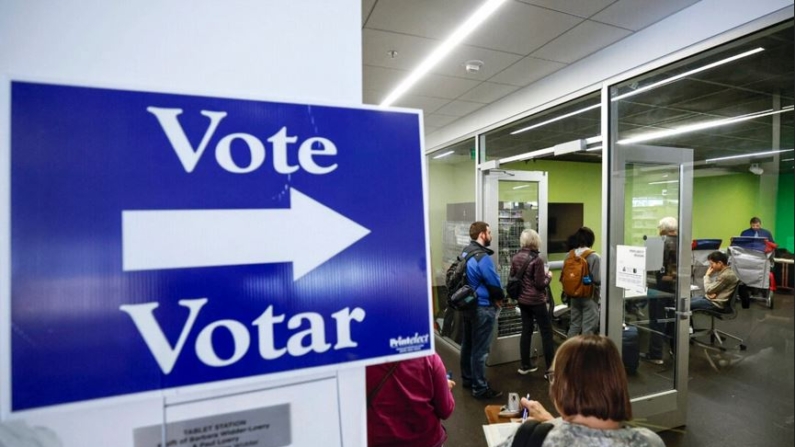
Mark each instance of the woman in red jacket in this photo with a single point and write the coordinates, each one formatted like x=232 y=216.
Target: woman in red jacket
x=407 y=401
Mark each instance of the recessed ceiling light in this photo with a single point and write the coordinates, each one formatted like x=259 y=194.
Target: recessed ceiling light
x=473 y=66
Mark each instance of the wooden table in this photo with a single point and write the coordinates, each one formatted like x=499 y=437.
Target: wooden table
x=493 y=414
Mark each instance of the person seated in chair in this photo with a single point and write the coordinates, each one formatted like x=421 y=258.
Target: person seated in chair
x=719 y=284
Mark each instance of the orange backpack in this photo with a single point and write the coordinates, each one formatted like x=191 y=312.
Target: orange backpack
x=576 y=279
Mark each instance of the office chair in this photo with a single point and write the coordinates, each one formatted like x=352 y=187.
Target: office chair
x=714 y=333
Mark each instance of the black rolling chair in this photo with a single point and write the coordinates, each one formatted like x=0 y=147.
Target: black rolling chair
x=717 y=335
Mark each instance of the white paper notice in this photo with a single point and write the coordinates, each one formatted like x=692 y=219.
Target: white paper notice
x=631 y=268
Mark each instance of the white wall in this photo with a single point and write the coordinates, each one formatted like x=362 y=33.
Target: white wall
x=294 y=51
x=686 y=29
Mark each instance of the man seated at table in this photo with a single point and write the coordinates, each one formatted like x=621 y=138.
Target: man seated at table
x=719 y=284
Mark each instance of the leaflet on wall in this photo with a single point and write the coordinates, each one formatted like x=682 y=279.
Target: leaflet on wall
x=631 y=269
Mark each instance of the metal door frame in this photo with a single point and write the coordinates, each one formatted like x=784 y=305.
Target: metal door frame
x=668 y=408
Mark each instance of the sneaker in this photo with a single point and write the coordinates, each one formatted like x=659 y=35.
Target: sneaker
x=527 y=369
x=488 y=394
x=654 y=361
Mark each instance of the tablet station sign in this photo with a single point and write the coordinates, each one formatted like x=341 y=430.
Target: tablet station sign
x=162 y=240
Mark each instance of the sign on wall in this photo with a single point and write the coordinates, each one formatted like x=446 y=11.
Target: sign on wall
x=162 y=240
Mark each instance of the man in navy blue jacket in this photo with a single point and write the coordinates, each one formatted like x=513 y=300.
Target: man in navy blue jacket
x=756 y=230
x=478 y=324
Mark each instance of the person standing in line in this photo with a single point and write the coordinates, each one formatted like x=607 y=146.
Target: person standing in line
x=478 y=324
x=533 y=300
x=588 y=386
x=665 y=282
x=406 y=402
x=756 y=230
x=585 y=311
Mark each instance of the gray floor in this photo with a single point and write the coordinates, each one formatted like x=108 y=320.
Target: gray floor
x=748 y=401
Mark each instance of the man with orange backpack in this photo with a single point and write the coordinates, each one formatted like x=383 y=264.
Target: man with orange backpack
x=581 y=283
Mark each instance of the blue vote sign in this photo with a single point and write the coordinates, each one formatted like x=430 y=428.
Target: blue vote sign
x=162 y=240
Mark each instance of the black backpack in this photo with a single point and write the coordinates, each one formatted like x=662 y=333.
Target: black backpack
x=460 y=295
x=531 y=434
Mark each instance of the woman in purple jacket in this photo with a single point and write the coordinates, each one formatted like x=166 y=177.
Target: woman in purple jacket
x=533 y=300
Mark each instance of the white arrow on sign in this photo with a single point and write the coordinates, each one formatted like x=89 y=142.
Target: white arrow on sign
x=306 y=234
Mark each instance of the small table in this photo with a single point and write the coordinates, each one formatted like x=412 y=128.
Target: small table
x=493 y=415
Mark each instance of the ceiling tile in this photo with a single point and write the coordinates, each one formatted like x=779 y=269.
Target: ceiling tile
x=578 y=8
x=521 y=28
x=367 y=7
x=436 y=120
x=580 y=41
x=488 y=92
x=380 y=78
x=459 y=108
x=526 y=71
x=439 y=86
x=423 y=18
x=411 y=50
x=638 y=14
x=426 y=103
x=493 y=62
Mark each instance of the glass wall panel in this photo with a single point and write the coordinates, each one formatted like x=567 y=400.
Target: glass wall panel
x=451 y=200
x=574 y=178
x=575 y=120
x=733 y=106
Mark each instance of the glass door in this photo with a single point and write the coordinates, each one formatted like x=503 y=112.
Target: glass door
x=650 y=207
x=512 y=202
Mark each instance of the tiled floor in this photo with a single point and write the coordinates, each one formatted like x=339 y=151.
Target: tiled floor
x=746 y=402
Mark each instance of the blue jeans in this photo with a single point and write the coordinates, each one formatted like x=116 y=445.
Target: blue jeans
x=657 y=312
x=702 y=303
x=478 y=329
x=584 y=316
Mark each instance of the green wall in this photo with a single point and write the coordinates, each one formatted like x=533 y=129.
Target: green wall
x=571 y=182
x=447 y=183
x=785 y=227
x=723 y=205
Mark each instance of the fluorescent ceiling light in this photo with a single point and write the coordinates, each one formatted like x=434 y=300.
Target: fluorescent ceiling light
x=443 y=50
x=680 y=76
x=597 y=148
x=521 y=186
x=544 y=123
x=755 y=154
x=666 y=181
x=444 y=155
x=702 y=126
x=788 y=159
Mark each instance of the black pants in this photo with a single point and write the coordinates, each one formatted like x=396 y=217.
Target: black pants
x=537 y=313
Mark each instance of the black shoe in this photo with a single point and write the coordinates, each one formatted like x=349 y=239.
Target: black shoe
x=527 y=369
x=488 y=394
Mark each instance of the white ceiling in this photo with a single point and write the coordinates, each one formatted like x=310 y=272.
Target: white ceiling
x=524 y=41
